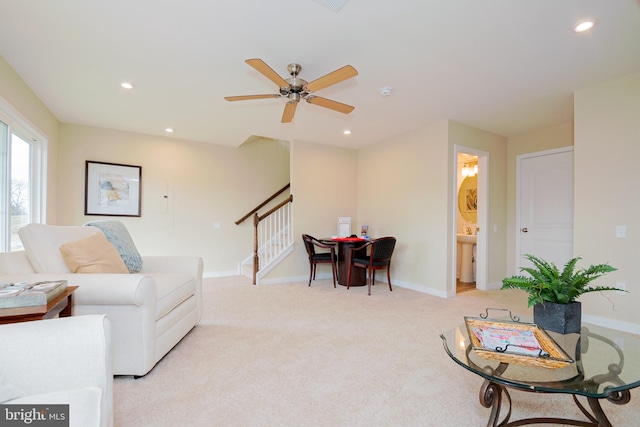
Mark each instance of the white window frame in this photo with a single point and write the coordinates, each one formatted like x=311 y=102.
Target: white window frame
x=22 y=127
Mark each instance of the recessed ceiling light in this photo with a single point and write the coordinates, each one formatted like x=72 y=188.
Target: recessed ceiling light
x=583 y=26
x=347 y=132
x=126 y=85
x=169 y=130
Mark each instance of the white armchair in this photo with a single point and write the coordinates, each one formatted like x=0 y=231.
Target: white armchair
x=61 y=361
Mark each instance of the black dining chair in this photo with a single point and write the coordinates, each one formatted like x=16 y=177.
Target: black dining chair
x=315 y=258
x=379 y=258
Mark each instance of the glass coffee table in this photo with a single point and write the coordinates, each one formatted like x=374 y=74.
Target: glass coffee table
x=598 y=371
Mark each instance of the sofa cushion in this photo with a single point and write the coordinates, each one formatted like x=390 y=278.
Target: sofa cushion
x=42 y=244
x=116 y=232
x=84 y=404
x=15 y=262
x=93 y=254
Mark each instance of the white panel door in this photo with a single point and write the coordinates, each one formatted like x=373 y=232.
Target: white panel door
x=546 y=207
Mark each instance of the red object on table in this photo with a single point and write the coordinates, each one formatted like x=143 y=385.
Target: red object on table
x=348 y=239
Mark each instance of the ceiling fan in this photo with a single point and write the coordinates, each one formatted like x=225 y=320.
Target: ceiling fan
x=295 y=89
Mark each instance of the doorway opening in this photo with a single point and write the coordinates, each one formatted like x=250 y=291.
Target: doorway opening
x=470 y=207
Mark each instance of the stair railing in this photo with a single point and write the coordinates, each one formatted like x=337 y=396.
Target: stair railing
x=271 y=233
x=261 y=205
x=271 y=237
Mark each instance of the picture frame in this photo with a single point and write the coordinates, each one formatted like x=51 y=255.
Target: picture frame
x=471 y=200
x=112 y=189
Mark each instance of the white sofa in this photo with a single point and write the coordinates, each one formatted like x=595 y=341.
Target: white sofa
x=60 y=361
x=150 y=311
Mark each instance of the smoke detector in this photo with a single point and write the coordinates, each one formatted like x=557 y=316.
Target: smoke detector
x=334 y=5
x=385 y=91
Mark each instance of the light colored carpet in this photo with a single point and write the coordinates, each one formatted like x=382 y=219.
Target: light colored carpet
x=292 y=355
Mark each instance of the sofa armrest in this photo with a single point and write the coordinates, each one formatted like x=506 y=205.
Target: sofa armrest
x=99 y=289
x=113 y=289
x=58 y=354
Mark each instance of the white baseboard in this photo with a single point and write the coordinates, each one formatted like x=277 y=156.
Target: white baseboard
x=219 y=274
x=619 y=325
x=418 y=288
x=292 y=279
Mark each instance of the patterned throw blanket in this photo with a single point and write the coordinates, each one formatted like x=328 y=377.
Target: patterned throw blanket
x=119 y=236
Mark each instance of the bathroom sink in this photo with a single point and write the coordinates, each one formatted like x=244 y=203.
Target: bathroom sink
x=466 y=242
x=467 y=238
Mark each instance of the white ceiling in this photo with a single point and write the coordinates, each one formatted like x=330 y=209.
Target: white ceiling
x=506 y=66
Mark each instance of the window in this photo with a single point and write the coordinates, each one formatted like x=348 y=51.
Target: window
x=22 y=151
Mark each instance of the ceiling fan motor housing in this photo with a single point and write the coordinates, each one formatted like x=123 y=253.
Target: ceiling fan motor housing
x=295 y=90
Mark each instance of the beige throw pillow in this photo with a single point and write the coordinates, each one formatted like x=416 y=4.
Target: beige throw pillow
x=93 y=254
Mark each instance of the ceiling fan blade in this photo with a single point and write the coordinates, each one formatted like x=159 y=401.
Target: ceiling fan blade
x=247 y=97
x=332 y=78
x=289 y=111
x=332 y=105
x=267 y=71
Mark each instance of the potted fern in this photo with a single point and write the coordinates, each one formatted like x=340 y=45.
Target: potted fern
x=553 y=293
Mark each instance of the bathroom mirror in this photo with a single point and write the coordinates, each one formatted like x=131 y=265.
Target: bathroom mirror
x=468 y=199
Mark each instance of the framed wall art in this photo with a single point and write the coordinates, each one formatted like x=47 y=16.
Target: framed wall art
x=112 y=189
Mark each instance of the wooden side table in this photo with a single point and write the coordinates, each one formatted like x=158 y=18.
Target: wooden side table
x=62 y=305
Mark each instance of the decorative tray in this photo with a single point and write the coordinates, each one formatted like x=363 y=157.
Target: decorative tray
x=515 y=342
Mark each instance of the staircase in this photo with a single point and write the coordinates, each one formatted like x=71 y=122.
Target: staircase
x=273 y=239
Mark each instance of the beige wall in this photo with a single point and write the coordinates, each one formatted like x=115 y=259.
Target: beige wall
x=205 y=183
x=607 y=151
x=550 y=138
x=402 y=192
x=401 y=188
x=406 y=189
x=323 y=184
x=22 y=99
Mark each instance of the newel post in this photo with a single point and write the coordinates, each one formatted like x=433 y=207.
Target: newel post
x=256 y=259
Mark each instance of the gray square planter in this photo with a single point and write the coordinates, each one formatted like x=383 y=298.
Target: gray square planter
x=561 y=318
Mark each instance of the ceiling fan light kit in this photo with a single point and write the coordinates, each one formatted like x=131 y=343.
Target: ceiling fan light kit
x=295 y=88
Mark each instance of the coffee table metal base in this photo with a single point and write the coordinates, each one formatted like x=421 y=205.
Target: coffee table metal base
x=491 y=394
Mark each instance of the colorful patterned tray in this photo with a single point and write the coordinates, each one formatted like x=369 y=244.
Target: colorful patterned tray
x=515 y=342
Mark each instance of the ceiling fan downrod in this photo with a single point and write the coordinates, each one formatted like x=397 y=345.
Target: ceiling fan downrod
x=294 y=69
x=295 y=90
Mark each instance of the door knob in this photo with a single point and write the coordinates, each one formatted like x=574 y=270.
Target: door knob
x=524 y=230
